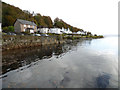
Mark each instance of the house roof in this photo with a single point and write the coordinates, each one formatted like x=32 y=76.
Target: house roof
x=26 y=22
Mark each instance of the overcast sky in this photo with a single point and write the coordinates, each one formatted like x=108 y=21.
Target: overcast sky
x=97 y=16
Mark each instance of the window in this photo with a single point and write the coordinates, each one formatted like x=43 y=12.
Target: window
x=24 y=30
x=29 y=26
x=24 y=25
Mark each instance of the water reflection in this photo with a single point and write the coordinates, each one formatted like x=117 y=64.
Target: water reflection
x=14 y=59
x=75 y=64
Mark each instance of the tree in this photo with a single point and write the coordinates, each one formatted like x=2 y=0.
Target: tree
x=88 y=33
x=8 y=20
x=48 y=21
x=95 y=34
x=40 y=20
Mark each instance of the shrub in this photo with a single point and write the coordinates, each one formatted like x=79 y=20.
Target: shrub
x=5 y=29
x=11 y=28
x=8 y=29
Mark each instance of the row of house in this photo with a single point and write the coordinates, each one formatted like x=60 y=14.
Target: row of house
x=28 y=26
x=54 y=30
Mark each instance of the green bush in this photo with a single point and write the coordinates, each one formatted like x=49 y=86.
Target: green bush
x=8 y=29
x=11 y=28
x=5 y=29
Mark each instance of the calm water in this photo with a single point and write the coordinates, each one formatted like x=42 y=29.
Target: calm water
x=76 y=64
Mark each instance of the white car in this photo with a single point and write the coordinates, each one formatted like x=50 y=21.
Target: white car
x=44 y=35
x=37 y=35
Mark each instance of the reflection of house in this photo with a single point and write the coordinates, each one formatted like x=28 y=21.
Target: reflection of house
x=25 y=26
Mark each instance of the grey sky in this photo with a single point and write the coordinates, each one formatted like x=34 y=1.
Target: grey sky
x=97 y=16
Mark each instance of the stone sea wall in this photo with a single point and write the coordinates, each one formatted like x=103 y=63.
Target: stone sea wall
x=16 y=42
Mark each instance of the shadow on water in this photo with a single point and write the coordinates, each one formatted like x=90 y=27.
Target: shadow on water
x=14 y=59
x=102 y=81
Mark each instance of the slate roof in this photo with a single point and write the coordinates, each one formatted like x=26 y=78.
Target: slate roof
x=26 y=22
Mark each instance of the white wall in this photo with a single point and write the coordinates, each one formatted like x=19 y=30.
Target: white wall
x=43 y=30
x=31 y=31
x=55 y=30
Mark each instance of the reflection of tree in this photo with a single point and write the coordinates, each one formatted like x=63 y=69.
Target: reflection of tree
x=58 y=50
x=17 y=58
x=85 y=42
x=88 y=42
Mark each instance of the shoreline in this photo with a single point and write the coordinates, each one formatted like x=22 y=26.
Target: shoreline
x=10 y=42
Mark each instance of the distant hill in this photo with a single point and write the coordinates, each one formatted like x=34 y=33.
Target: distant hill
x=11 y=13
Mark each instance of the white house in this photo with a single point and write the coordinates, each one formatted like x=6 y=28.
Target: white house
x=64 y=30
x=55 y=30
x=80 y=32
x=43 y=30
x=67 y=31
x=74 y=33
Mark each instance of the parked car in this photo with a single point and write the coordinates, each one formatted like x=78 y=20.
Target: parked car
x=44 y=35
x=10 y=33
x=36 y=35
x=20 y=34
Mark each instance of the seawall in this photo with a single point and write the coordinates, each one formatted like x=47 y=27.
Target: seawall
x=15 y=42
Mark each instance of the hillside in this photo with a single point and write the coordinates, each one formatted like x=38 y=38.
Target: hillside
x=11 y=13
x=60 y=23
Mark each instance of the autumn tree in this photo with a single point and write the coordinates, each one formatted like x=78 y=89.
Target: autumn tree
x=40 y=20
x=48 y=21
